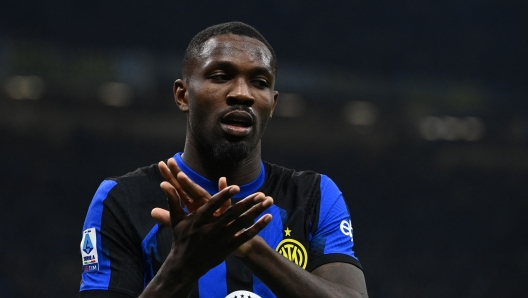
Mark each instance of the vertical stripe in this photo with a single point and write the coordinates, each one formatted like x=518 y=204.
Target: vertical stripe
x=213 y=283
x=273 y=234
x=101 y=279
x=239 y=277
x=334 y=220
x=149 y=249
x=261 y=289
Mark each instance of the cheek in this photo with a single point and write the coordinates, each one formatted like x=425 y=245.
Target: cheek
x=203 y=110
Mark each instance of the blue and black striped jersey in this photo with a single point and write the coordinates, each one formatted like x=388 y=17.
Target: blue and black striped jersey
x=123 y=247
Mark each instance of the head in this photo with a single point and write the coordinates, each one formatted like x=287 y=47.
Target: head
x=227 y=91
x=196 y=45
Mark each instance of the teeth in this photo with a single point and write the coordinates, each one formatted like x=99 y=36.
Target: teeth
x=236 y=122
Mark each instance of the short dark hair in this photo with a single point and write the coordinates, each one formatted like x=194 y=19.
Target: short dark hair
x=236 y=28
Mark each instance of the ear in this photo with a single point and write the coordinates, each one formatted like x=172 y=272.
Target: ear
x=181 y=96
x=275 y=98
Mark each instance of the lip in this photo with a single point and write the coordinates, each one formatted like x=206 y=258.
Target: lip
x=237 y=123
x=236 y=131
x=237 y=115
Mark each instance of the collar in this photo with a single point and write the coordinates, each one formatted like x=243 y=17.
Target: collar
x=212 y=187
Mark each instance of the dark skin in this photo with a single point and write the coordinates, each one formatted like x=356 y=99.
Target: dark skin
x=231 y=70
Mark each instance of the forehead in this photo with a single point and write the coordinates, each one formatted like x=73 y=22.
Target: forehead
x=235 y=48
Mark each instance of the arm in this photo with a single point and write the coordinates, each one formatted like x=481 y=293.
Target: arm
x=286 y=279
x=108 y=247
x=332 y=275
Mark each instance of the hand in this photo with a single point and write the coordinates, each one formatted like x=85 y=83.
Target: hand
x=205 y=237
x=192 y=195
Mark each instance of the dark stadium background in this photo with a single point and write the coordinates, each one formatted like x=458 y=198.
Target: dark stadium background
x=417 y=109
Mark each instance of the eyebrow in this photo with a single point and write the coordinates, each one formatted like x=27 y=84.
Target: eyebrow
x=229 y=65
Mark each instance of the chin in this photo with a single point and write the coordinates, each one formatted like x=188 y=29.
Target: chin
x=231 y=152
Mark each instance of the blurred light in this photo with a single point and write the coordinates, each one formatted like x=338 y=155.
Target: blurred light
x=24 y=87
x=290 y=105
x=361 y=113
x=452 y=128
x=115 y=94
x=432 y=128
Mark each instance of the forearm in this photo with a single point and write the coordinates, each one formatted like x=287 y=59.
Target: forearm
x=286 y=279
x=170 y=281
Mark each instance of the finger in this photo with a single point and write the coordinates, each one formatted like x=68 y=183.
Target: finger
x=222 y=183
x=175 y=208
x=247 y=218
x=173 y=166
x=166 y=173
x=218 y=200
x=242 y=237
x=169 y=172
x=196 y=193
x=162 y=216
x=222 y=208
x=241 y=207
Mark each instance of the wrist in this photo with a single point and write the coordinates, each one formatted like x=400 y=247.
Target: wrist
x=251 y=249
x=171 y=280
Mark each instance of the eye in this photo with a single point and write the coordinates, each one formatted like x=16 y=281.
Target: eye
x=260 y=83
x=219 y=77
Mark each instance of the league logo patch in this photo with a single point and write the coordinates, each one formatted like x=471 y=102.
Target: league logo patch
x=89 y=251
x=242 y=294
x=293 y=250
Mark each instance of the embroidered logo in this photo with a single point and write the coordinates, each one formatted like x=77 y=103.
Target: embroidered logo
x=346 y=228
x=89 y=255
x=242 y=294
x=293 y=250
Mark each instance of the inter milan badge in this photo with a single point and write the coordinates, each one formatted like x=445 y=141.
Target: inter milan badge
x=89 y=251
x=242 y=294
x=293 y=250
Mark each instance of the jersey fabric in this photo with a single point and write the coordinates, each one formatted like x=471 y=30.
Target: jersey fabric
x=123 y=247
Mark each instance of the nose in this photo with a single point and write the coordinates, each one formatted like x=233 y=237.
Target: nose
x=240 y=93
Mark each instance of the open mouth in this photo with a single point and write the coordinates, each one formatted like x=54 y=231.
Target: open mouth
x=237 y=118
x=237 y=123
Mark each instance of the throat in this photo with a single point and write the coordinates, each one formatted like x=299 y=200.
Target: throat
x=239 y=165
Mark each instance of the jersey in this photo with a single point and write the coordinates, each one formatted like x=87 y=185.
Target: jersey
x=123 y=247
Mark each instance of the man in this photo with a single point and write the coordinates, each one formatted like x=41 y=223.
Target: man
x=214 y=240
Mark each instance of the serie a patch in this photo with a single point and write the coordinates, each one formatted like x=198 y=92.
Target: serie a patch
x=89 y=255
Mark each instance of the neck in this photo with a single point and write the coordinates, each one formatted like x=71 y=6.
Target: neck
x=237 y=173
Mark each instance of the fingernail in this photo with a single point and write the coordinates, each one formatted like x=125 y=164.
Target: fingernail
x=267 y=203
x=233 y=189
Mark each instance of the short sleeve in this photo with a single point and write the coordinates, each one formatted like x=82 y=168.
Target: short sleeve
x=333 y=240
x=110 y=260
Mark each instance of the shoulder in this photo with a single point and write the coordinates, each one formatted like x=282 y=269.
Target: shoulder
x=291 y=189
x=282 y=176
x=144 y=175
x=279 y=174
x=136 y=183
x=130 y=193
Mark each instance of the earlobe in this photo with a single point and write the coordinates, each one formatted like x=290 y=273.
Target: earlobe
x=180 y=95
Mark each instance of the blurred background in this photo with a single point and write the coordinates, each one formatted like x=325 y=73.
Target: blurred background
x=417 y=109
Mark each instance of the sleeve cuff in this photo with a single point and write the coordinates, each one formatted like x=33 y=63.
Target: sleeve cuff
x=332 y=258
x=102 y=294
